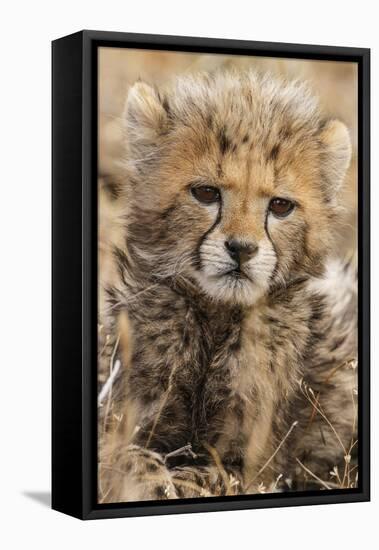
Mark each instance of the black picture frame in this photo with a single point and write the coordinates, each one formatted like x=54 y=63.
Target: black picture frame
x=74 y=272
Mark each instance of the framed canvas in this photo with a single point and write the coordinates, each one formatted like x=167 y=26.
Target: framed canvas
x=210 y=275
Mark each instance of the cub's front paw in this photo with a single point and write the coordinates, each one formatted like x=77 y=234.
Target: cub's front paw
x=140 y=474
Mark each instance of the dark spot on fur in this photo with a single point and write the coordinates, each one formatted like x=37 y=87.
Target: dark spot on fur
x=128 y=467
x=235 y=346
x=245 y=138
x=338 y=343
x=122 y=261
x=160 y=492
x=167 y=212
x=237 y=316
x=151 y=467
x=346 y=266
x=186 y=338
x=166 y=105
x=163 y=316
x=284 y=133
x=322 y=124
x=234 y=461
x=270 y=320
x=162 y=348
x=273 y=154
x=120 y=256
x=112 y=187
x=224 y=141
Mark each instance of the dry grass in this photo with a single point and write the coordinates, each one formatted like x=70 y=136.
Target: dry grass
x=110 y=427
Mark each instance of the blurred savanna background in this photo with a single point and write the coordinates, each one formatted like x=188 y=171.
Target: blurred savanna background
x=334 y=83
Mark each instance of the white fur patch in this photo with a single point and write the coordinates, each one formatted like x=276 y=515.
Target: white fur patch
x=215 y=279
x=338 y=284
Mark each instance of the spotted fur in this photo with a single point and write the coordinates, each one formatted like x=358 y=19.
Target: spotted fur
x=216 y=357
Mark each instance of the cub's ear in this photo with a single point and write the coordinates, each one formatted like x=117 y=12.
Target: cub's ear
x=336 y=153
x=144 y=115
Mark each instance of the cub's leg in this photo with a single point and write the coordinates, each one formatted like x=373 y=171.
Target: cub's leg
x=327 y=408
x=138 y=474
x=192 y=482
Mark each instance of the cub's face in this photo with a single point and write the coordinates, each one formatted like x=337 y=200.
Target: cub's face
x=232 y=182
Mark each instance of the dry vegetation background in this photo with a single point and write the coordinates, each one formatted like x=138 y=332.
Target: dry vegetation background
x=334 y=83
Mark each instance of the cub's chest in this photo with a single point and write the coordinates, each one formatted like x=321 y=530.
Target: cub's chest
x=204 y=350
x=185 y=343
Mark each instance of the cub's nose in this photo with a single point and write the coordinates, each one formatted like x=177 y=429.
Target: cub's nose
x=239 y=251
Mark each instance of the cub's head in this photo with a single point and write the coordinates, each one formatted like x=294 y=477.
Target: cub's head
x=232 y=182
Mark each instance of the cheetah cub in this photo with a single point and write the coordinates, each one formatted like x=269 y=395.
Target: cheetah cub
x=227 y=307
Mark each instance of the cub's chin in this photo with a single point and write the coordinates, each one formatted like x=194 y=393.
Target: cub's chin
x=232 y=287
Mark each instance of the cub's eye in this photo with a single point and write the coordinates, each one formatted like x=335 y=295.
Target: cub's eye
x=281 y=207
x=205 y=194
